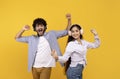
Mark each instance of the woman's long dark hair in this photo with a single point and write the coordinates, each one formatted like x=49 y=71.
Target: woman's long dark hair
x=70 y=38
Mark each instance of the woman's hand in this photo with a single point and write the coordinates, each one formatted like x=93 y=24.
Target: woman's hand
x=94 y=31
x=54 y=54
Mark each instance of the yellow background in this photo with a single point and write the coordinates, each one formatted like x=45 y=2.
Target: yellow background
x=103 y=15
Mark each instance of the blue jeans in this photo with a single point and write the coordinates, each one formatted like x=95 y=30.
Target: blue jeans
x=75 y=72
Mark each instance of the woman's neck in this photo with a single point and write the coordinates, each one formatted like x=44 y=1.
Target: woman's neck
x=79 y=40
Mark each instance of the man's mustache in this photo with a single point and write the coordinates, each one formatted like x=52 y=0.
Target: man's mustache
x=39 y=30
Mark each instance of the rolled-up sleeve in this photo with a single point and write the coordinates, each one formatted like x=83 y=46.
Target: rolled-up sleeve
x=94 y=44
x=61 y=33
x=23 y=39
x=68 y=52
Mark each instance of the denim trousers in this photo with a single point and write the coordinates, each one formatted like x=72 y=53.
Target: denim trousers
x=75 y=72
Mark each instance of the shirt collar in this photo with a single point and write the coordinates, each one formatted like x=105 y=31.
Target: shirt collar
x=77 y=41
x=43 y=34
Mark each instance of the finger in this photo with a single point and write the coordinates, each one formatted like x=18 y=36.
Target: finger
x=27 y=27
x=68 y=15
x=92 y=30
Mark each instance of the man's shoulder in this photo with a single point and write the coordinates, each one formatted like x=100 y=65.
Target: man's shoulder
x=32 y=36
x=56 y=31
x=51 y=32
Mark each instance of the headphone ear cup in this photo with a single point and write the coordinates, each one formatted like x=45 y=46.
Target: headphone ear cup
x=69 y=33
x=81 y=31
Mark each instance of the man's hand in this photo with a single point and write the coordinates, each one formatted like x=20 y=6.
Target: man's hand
x=54 y=54
x=26 y=27
x=68 y=16
x=19 y=34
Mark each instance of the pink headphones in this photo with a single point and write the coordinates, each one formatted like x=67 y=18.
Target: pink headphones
x=81 y=32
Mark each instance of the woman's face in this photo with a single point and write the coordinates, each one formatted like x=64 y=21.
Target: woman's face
x=75 y=32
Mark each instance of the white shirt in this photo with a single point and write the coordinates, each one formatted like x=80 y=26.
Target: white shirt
x=77 y=51
x=43 y=56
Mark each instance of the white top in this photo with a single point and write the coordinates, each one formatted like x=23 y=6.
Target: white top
x=77 y=51
x=43 y=55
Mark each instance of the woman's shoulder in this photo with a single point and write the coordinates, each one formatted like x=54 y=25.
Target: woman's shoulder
x=71 y=42
x=85 y=42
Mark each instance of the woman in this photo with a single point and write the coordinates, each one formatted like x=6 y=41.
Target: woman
x=75 y=53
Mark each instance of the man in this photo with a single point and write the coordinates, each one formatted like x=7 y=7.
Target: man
x=40 y=47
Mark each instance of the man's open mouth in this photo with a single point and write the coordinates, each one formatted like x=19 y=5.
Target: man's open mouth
x=40 y=30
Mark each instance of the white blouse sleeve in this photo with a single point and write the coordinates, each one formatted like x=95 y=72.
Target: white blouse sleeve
x=67 y=54
x=94 y=44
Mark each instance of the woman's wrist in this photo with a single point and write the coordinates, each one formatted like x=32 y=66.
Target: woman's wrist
x=95 y=34
x=56 y=57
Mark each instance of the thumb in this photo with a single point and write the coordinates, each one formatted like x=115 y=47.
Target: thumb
x=52 y=52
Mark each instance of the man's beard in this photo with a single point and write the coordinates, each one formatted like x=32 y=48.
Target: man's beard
x=40 y=30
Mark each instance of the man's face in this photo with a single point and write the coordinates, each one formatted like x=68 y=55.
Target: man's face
x=40 y=29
